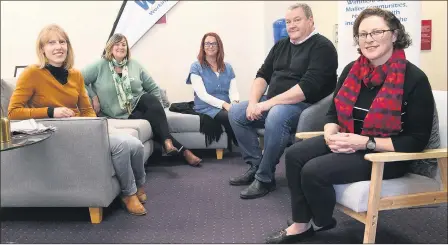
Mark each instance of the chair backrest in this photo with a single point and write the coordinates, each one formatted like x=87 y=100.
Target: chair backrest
x=440 y=98
x=7 y=87
x=438 y=139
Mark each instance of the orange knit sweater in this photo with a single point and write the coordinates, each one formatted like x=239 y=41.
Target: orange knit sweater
x=37 y=89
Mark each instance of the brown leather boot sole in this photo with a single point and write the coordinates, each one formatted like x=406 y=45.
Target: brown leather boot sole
x=141 y=195
x=133 y=206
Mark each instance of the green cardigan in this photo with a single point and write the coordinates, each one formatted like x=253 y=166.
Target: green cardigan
x=99 y=82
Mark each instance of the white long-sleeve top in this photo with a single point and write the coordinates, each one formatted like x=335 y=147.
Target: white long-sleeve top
x=201 y=92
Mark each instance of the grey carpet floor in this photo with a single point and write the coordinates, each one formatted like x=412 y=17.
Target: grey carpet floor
x=197 y=205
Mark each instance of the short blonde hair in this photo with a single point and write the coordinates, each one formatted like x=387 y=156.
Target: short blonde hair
x=44 y=37
x=114 y=39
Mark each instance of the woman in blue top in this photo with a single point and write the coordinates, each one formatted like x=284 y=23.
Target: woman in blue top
x=213 y=82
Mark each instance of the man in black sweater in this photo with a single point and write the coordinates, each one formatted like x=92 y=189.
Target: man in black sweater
x=300 y=70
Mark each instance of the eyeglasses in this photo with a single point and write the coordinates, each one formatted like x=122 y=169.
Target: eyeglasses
x=213 y=44
x=375 y=35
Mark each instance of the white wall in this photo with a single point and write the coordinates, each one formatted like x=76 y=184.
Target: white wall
x=168 y=50
x=88 y=25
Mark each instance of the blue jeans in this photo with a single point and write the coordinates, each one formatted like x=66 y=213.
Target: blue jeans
x=127 y=159
x=279 y=123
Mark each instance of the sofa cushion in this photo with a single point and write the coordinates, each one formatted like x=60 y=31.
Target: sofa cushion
x=428 y=167
x=165 y=101
x=142 y=127
x=260 y=131
x=356 y=195
x=179 y=123
x=130 y=131
x=7 y=87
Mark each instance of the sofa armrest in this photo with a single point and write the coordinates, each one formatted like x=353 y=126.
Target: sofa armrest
x=313 y=118
x=72 y=168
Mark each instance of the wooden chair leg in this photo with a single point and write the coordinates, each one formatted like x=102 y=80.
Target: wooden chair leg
x=443 y=172
x=96 y=215
x=219 y=153
x=374 y=202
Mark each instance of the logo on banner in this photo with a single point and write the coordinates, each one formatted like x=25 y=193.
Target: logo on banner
x=149 y=5
x=133 y=23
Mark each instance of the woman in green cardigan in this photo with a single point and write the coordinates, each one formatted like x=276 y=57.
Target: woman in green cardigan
x=120 y=88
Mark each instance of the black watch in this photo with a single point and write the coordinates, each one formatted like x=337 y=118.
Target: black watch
x=371 y=144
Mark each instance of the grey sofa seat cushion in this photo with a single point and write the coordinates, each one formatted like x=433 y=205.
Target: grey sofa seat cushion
x=180 y=123
x=141 y=126
x=129 y=131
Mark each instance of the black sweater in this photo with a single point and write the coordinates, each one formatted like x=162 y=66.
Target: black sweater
x=416 y=111
x=311 y=64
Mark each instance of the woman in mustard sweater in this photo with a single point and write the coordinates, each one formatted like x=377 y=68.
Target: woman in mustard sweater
x=54 y=89
x=126 y=90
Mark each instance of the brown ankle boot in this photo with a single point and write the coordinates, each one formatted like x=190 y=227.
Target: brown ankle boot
x=169 y=148
x=133 y=205
x=141 y=195
x=191 y=158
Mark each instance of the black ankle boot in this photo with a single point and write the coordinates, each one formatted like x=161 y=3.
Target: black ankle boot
x=246 y=179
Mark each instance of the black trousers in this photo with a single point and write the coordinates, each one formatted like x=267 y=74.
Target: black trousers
x=312 y=170
x=223 y=118
x=150 y=109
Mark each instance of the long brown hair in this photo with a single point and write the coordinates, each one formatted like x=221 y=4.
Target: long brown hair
x=220 y=55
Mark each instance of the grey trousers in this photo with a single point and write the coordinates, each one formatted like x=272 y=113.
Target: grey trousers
x=127 y=159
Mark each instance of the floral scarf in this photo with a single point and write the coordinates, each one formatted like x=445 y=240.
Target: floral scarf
x=122 y=84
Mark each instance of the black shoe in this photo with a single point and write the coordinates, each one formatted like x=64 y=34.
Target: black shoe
x=245 y=179
x=333 y=223
x=281 y=237
x=257 y=189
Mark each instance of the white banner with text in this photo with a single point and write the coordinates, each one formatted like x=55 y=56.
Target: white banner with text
x=408 y=12
x=139 y=16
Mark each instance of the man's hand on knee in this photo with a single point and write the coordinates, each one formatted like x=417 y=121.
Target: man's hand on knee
x=253 y=112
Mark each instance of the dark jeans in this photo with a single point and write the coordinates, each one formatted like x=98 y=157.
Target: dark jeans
x=150 y=109
x=312 y=170
x=223 y=118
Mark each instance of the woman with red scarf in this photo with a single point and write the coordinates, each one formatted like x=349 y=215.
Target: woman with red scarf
x=382 y=103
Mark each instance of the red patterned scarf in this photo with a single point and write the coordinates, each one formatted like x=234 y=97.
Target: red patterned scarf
x=384 y=116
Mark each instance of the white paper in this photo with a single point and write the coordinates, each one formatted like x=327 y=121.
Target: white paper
x=30 y=127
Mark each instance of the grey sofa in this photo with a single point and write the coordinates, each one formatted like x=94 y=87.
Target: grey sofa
x=185 y=129
x=73 y=168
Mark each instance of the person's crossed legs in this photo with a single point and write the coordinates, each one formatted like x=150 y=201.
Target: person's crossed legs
x=279 y=122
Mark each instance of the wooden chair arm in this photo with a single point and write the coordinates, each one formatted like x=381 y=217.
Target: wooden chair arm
x=401 y=156
x=307 y=135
